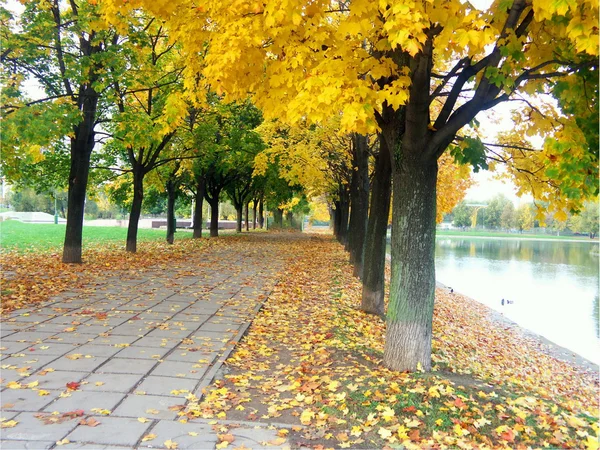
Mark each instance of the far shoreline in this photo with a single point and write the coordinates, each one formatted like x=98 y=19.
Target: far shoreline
x=466 y=235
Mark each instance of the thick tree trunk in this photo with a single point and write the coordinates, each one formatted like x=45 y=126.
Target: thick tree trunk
x=246 y=217
x=136 y=209
x=171 y=224
x=254 y=215
x=78 y=178
x=81 y=150
x=376 y=243
x=359 y=201
x=290 y=219
x=410 y=311
x=200 y=185
x=261 y=213
x=238 y=223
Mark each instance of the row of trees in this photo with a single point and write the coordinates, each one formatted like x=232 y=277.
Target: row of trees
x=118 y=90
x=415 y=75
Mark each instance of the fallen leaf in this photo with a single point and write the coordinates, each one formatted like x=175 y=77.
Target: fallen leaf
x=8 y=424
x=170 y=444
x=149 y=437
x=63 y=442
x=73 y=385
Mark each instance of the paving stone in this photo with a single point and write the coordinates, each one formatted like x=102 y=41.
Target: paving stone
x=131 y=329
x=16 y=326
x=135 y=352
x=25 y=445
x=168 y=333
x=8 y=348
x=202 y=356
x=29 y=336
x=57 y=379
x=123 y=365
x=139 y=405
x=111 y=382
x=52 y=348
x=111 y=431
x=85 y=400
x=178 y=432
x=82 y=364
x=30 y=428
x=154 y=385
x=114 y=340
x=70 y=338
x=25 y=399
x=180 y=370
x=157 y=342
x=87 y=446
x=94 y=329
x=28 y=360
x=97 y=350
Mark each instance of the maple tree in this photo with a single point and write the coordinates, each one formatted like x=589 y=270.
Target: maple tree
x=384 y=65
x=145 y=89
x=60 y=46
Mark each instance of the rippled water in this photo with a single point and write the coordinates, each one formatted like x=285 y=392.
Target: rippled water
x=554 y=285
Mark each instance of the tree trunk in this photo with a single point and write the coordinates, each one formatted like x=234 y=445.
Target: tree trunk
x=375 y=246
x=261 y=214
x=254 y=215
x=81 y=150
x=410 y=311
x=200 y=185
x=214 y=218
x=136 y=209
x=359 y=201
x=278 y=217
x=238 y=223
x=336 y=218
x=344 y=209
x=290 y=219
x=171 y=223
x=246 y=217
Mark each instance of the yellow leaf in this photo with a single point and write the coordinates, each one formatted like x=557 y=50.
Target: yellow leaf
x=170 y=444
x=148 y=437
x=8 y=424
x=143 y=419
x=63 y=442
x=33 y=384
x=384 y=433
x=42 y=392
x=193 y=433
x=306 y=416
x=13 y=385
x=152 y=411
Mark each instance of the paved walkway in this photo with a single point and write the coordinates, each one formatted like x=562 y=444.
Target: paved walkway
x=132 y=350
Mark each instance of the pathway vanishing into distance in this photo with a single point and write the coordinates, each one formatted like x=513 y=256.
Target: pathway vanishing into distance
x=132 y=350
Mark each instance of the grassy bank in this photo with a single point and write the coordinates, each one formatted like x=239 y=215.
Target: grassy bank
x=15 y=235
x=492 y=234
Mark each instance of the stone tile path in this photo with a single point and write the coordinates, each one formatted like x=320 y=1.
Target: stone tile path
x=133 y=349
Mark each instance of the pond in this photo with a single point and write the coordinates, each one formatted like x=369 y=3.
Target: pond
x=553 y=285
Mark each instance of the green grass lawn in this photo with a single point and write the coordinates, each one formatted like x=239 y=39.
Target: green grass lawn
x=15 y=235
x=492 y=234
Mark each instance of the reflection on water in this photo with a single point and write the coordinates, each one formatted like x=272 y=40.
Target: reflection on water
x=554 y=285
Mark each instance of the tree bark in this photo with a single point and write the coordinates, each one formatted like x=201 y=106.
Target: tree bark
x=214 y=217
x=410 y=311
x=254 y=205
x=344 y=204
x=359 y=201
x=278 y=217
x=261 y=213
x=200 y=186
x=81 y=150
x=375 y=246
x=336 y=218
x=290 y=219
x=171 y=224
x=246 y=217
x=238 y=223
x=136 y=209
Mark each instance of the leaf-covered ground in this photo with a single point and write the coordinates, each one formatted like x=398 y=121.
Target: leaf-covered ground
x=27 y=279
x=312 y=359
